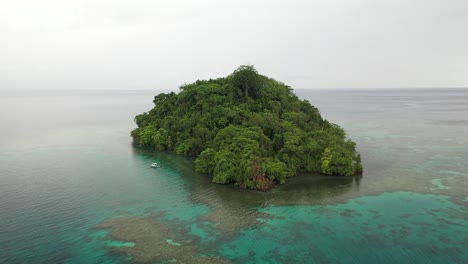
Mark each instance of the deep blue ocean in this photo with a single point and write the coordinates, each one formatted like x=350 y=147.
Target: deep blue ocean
x=73 y=189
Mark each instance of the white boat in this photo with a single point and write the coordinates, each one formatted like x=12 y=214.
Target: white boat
x=155 y=165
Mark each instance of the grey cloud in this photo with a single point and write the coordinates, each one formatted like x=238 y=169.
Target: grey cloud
x=161 y=44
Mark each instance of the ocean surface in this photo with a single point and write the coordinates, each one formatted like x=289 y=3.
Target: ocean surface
x=73 y=189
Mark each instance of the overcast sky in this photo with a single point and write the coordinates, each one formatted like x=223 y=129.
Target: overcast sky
x=130 y=44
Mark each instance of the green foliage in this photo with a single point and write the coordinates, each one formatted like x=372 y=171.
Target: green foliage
x=275 y=169
x=247 y=129
x=247 y=80
x=338 y=160
x=205 y=163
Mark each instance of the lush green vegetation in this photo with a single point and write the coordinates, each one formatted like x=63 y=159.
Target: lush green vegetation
x=247 y=129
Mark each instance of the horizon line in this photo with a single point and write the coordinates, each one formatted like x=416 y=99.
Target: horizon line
x=177 y=90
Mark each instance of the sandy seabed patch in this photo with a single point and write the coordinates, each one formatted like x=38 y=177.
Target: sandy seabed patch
x=151 y=242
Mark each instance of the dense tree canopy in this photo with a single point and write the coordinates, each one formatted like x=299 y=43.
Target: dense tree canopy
x=247 y=129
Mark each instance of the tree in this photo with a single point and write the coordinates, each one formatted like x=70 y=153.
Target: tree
x=337 y=160
x=248 y=80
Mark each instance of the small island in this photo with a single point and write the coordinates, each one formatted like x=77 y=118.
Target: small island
x=246 y=129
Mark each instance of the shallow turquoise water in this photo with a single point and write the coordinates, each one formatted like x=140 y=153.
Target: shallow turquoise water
x=67 y=164
x=55 y=207
x=397 y=227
